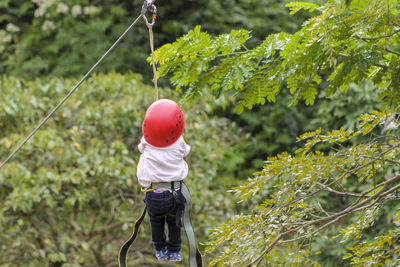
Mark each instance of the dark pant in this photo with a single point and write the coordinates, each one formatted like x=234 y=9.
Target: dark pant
x=162 y=208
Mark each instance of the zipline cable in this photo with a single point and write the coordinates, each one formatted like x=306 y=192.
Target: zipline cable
x=146 y=5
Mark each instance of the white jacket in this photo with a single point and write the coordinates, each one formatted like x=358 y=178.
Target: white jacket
x=162 y=164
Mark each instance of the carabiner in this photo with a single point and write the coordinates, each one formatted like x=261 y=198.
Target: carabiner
x=153 y=10
x=146 y=5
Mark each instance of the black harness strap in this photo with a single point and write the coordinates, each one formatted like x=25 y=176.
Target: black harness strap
x=178 y=205
x=123 y=252
x=195 y=259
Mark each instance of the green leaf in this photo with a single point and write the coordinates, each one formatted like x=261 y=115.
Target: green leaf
x=297 y=6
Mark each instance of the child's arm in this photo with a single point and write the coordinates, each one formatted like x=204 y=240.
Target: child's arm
x=187 y=150
x=141 y=146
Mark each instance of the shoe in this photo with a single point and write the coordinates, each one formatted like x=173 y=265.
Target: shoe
x=175 y=256
x=162 y=254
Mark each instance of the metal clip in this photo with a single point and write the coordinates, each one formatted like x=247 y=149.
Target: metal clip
x=146 y=5
x=153 y=9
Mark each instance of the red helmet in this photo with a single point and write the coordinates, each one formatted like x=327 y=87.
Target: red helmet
x=163 y=123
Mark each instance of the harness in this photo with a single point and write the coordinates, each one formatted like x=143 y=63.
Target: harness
x=179 y=206
x=195 y=259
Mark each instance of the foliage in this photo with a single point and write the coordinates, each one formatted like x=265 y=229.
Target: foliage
x=64 y=38
x=344 y=44
x=296 y=190
x=70 y=196
x=343 y=109
x=274 y=127
x=343 y=190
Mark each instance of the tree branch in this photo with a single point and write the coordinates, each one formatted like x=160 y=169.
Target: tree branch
x=374 y=64
x=375 y=38
x=106 y=227
x=388 y=160
x=393 y=52
x=268 y=249
x=377 y=21
x=384 y=184
x=337 y=179
x=341 y=193
x=332 y=218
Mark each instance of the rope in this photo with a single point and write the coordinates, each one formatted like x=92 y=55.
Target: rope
x=153 y=9
x=153 y=61
x=148 y=4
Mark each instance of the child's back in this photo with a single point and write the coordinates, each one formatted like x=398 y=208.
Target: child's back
x=162 y=164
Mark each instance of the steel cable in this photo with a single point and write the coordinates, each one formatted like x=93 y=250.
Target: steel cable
x=73 y=89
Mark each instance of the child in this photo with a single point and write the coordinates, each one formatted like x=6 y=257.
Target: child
x=162 y=167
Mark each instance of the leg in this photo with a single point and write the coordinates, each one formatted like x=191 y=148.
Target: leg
x=157 y=224
x=174 y=225
x=174 y=234
x=158 y=206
